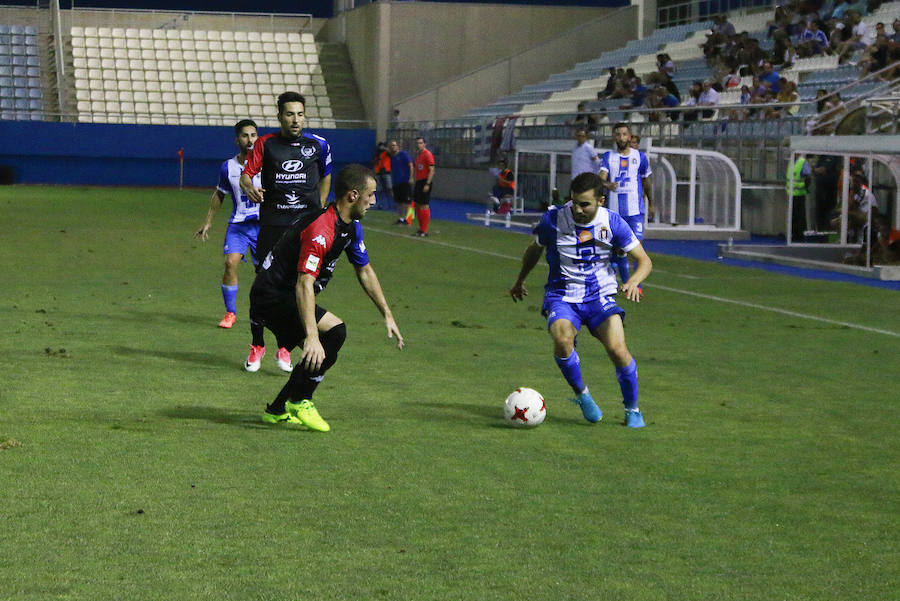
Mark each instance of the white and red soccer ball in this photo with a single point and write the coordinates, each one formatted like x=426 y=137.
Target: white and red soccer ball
x=525 y=407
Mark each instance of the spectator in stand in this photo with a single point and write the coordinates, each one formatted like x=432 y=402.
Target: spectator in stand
x=787 y=93
x=610 y=85
x=752 y=55
x=895 y=37
x=660 y=97
x=861 y=37
x=812 y=41
x=722 y=31
x=733 y=78
x=693 y=99
x=709 y=96
x=781 y=21
x=665 y=64
x=638 y=95
x=769 y=76
x=584 y=119
x=876 y=56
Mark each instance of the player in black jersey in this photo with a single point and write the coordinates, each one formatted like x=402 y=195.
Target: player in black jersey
x=295 y=168
x=283 y=297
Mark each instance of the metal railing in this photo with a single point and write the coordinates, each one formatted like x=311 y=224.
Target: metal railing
x=669 y=15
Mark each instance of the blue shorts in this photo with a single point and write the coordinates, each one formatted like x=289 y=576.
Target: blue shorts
x=636 y=223
x=591 y=314
x=241 y=236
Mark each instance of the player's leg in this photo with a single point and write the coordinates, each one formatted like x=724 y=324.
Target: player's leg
x=611 y=333
x=230 y=289
x=423 y=209
x=401 y=198
x=295 y=397
x=266 y=238
x=563 y=325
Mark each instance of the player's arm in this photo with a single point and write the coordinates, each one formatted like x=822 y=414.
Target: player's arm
x=529 y=260
x=648 y=193
x=313 y=352
x=412 y=174
x=324 y=189
x=604 y=177
x=253 y=193
x=430 y=176
x=215 y=203
x=369 y=282
x=644 y=266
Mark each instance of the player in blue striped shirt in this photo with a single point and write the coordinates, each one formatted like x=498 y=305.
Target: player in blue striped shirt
x=243 y=225
x=626 y=174
x=580 y=238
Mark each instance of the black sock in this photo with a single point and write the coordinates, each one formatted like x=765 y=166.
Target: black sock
x=302 y=384
x=256 y=331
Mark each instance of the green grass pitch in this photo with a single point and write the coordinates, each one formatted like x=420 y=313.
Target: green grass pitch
x=133 y=465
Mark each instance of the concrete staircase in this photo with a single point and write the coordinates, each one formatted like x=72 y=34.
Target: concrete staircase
x=341 y=84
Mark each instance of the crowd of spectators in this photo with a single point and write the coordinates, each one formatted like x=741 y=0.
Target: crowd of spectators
x=798 y=29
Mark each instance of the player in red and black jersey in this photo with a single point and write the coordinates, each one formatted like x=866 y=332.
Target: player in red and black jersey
x=283 y=297
x=295 y=169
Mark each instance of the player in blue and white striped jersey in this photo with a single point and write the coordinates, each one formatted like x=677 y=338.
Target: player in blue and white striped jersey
x=243 y=225
x=626 y=174
x=580 y=238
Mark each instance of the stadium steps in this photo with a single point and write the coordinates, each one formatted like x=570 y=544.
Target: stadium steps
x=337 y=69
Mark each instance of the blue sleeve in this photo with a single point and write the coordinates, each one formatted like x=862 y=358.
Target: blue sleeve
x=224 y=186
x=545 y=229
x=604 y=162
x=356 y=252
x=622 y=235
x=325 y=157
x=806 y=169
x=644 y=167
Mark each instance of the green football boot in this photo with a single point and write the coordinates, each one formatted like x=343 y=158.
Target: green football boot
x=284 y=418
x=306 y=412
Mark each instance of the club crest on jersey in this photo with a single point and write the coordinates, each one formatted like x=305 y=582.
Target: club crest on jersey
x=320 y=240
x=585 y=236
x=634 y=161
x=307 y=151
x=605 y=233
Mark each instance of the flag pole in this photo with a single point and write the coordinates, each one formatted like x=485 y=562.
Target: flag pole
x=181 y=168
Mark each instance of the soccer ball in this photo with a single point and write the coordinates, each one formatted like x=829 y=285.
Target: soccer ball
x=525 y=407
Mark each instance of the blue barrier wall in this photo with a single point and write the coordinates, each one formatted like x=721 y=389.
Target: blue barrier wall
x=37 y=152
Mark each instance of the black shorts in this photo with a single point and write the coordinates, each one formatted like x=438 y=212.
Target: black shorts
x=265 y=242
x=401 y=193
x=420 y=195
x=279 y=313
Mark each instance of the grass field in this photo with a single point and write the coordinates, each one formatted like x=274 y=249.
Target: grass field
x=134 y=466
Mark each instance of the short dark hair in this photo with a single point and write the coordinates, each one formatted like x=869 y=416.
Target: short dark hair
x=621 y=124
x=352 y=177
x=421 y=138
x=242 y=124
x=587 y=181
x=286 y=97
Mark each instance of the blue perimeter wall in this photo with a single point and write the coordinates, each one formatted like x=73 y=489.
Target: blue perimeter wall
x=140 y=155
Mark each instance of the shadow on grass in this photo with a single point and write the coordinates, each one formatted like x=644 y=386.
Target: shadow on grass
x=475 y=414
x=182 y=356
x=216 y=415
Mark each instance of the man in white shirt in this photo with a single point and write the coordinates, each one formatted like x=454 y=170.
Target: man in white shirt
x=585 y=158
x=708 y=97
x=861 y=37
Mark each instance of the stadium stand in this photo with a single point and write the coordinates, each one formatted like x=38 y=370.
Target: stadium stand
x=192 y=76
x=21 y=95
